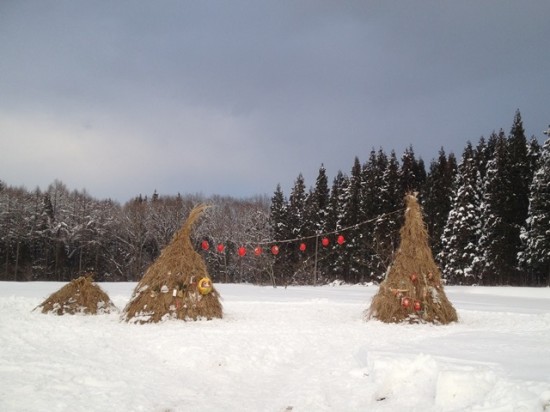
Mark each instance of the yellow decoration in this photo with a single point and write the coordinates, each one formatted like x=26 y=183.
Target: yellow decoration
x=204 y=286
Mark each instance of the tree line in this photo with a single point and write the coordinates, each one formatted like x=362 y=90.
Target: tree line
x=487 y=215
x=59 y=234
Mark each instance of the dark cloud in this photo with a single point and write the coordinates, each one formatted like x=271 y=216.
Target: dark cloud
x=234 y=97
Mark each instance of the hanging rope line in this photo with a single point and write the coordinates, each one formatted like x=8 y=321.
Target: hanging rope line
x=205 y=243
x=298 y=239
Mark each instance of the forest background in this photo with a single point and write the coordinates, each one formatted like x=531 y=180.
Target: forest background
x=487 y=215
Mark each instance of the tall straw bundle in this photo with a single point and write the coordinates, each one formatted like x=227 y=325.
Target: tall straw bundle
x=412 y=290
x=78 y=296
x=171 y=287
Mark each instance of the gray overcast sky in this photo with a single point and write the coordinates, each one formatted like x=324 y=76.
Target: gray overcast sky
x=232 y=97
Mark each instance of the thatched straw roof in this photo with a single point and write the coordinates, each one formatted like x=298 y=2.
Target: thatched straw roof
x=170 y=289
x=412 y=291
x=78 y=296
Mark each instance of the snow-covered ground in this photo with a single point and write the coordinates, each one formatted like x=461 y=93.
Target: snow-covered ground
x=294 y=349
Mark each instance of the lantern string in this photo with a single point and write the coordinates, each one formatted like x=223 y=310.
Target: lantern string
x=298 y=239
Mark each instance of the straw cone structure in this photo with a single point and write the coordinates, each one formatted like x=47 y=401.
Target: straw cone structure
x=80 y=295
x=412 y=291
x=170 y=287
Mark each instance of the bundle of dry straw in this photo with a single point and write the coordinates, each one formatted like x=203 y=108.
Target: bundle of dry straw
x=412 y=291
x=80 y=295
x=170 y=287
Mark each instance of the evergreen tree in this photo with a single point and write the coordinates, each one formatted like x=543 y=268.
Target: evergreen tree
x=296 y=223
x=499 y=235
x=412 y=173
x=319 y=203
x=331 y=265
x=370 y=209
x=521 y=175
x=353 y=251
x=280 y=230
x=371 y=178
x=386 y=229
x=509 y=174
x=459 y=241
x=278 y=214
x=533 y=156
x=316 y=217
x=535 y=257
x=420 y=174
x=437 y=196
x=296 y=207
x=484 y=152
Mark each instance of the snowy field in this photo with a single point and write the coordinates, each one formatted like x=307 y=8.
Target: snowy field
x=294 y=349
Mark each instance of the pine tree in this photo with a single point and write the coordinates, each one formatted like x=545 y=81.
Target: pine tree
x=461 y=234
x=499 y=235
x=280 y=230
x=386 y=228
x=370 y=209
x=521 y=175
x=352 y=252
x=533 y=156
x=507 y=200
x=412 y=173
x=332 y=264
x=296 y=223
x=484 y=152
x=535 y=257
x=296 y=207
x=278 y=215
x=437 y=196
x=320 y=201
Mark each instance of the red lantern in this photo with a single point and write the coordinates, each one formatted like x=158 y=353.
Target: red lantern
x=417 y=306
x=205 y=245
x=414 y=277
x=242 y=251
x=302 y=247
x=405 y=302
x=257 y=250
x=325 y=241
x=341 y=240
x=275 y=249
x=220 y=248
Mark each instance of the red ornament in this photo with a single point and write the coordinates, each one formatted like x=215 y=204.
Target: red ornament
x=414 y=277
x=325 y=241
x=302 y=247
x=275 y=249
x=258 y=250
x=405 y=302
x=341 y=240
x=417 y=306
x=242 y=251
x=205 y=245
x=220 y=248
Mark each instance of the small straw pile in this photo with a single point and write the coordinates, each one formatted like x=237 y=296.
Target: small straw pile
x=170 y=288
x=412 y=291
x=81 y=296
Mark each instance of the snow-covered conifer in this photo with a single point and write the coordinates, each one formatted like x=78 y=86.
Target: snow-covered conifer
x=459 y=241
x=535 y=257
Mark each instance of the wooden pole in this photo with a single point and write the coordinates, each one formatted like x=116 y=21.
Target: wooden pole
x=315 y=265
